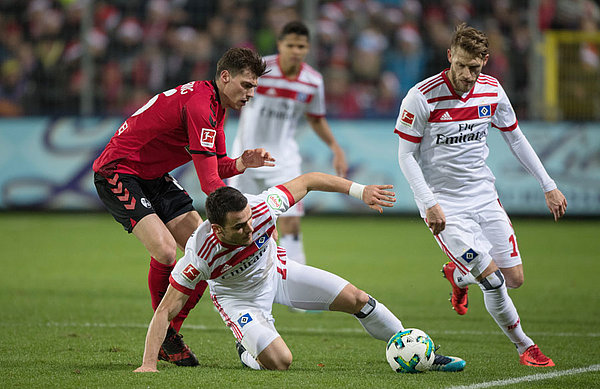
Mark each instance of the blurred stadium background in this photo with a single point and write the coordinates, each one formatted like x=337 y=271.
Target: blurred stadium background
x=72 y=70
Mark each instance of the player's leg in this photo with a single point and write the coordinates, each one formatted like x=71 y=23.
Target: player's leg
x=498 y=229
x=459 y=245
x=506 y=260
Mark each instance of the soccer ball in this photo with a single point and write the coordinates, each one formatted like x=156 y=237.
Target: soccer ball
x=410 y=351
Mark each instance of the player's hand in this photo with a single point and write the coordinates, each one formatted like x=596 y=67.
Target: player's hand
x=145 y=369
x=557 y=203
x=376 y=196
x=339 y=162
x=256 y=158
x=436 y=219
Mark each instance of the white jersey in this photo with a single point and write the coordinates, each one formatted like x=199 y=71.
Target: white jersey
x=451 y=133
x=271 y=117
x=229 y=269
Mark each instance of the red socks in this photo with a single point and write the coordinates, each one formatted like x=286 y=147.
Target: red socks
x=158 y=280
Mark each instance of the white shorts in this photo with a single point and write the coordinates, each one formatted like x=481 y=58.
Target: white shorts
x=474 y=238
x=247 y=182
x=292 y=284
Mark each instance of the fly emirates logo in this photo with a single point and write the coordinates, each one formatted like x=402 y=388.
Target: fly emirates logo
x=442 y=139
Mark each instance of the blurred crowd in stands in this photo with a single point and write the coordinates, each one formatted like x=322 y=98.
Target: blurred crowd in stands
x=370 y=52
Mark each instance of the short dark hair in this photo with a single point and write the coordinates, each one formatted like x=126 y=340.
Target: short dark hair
x=238 y=59
x=295 y=27
x=471 y=40
x=222 y=201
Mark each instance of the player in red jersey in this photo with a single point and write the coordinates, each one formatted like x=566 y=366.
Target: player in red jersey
x=132 y=173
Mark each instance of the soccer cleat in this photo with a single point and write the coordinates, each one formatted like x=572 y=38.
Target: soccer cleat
x=175 y=350
x=448 y=364
x=459 y=299
x=534 y=357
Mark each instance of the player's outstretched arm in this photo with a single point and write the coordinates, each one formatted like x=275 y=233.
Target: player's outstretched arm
x=168 y=308
x=375 y=196
x=556 y=202
x=254 y=158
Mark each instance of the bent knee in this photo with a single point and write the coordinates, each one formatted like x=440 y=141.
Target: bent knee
x=514 y=283
x=283 y=361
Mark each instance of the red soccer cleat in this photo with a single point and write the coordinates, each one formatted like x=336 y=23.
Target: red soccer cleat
x=534 y=357
x=459 y=299
x=175 y=350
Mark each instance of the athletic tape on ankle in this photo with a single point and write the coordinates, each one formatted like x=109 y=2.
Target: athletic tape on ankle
x=356 y=190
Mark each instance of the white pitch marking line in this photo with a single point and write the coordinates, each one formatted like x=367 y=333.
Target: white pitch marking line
x=314 y=329
x=533 y=377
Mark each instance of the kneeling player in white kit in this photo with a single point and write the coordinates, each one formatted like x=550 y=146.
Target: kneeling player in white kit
x=442 y=125
x=247 y=272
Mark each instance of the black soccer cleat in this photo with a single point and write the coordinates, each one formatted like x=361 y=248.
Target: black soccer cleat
x=175 y=350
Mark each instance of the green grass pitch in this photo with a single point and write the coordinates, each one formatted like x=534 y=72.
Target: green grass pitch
x=75 y=309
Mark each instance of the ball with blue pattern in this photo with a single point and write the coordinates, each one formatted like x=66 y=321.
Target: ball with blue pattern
x=410 y=351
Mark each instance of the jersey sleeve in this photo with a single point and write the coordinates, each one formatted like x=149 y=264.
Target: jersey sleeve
x=413 y=117
x=188 y=271
x=504 y=118
x=278 y=199
x=316 y=107
x=201 y=122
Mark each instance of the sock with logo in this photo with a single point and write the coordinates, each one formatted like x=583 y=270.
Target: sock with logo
x=499 y=304
x=463 y=280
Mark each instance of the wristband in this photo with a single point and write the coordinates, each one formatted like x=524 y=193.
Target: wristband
x=356 y=190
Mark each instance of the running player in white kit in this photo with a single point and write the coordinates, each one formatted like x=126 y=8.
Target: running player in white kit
x=247 y=272
x=443 y=124
x=289 y=91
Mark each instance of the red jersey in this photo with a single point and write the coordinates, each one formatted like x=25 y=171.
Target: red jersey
x=171 y=129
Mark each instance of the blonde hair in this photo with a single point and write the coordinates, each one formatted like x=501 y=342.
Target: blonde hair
x=471 y=40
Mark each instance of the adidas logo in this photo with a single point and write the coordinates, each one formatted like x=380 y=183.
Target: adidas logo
x=271 y=91
x=446 y=116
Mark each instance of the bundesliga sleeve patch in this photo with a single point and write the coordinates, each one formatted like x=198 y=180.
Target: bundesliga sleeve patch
x=207 y=137
x=190 y=273
x=407 y=118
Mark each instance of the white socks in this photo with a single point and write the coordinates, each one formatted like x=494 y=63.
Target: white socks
x=463 y=281
x=380 y=323
x=294 y=247
x=250 y=361
x=499 y=304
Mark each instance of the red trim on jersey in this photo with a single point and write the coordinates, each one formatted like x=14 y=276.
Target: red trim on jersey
x=430 y=82
x=239 y=257
x=230 y=323
x=314 y=115
x=207 y=246
x=432 y=87
x=258 y=227
x=284 y=93
x=410 y=138
x=287 y=193
x=507 y=129
x=459 y=265
x=181 y=288
x=224 y=252
x=475 y=95
x=459 y=114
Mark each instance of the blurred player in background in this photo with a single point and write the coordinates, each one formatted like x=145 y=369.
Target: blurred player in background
x=132 y=173
x=442 y=124
x=290 y=91
x=247 y=272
